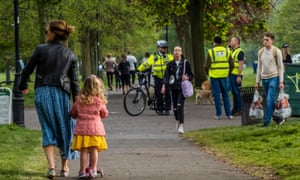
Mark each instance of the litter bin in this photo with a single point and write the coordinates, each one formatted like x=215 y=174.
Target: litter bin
x=292 y=86
x=247 y=94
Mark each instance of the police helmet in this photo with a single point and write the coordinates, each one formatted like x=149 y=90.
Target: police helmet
x=162 y=43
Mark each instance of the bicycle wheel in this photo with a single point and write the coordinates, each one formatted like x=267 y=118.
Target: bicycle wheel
x=134 y=102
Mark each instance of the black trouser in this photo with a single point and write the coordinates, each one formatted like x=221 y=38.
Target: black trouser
x=132 y=77
x=110 y=76
x=178 y=104
x=163 y=100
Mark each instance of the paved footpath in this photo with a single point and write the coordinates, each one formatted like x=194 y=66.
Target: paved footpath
x=147 y=147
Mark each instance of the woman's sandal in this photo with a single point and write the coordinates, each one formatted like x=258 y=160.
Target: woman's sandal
x=64 y=173
x=51 y=173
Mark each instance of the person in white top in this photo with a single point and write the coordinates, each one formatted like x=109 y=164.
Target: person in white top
x=270 y=70
x=133 y=64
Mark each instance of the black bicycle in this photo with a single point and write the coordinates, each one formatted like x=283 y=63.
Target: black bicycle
x=136 y=99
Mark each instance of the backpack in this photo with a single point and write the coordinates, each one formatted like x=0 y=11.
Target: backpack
x=274 y=53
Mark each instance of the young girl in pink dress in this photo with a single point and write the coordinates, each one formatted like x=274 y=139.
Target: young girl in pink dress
x=89 y=136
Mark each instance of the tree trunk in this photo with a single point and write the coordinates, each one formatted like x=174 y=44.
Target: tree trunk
x=42 y=15
x=85 y=53
x=196 y=9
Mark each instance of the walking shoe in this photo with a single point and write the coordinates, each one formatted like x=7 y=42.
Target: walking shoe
x=93 y=174
x=279 y=120
x=64 y=173
x=180 y=130
x=230 y=117
x=51 y=173
x=176 y=125
x=82 y=175
x=217 y=117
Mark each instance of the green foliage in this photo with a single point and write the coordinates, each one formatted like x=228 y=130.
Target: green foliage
x=285 y=24
x=258 y=150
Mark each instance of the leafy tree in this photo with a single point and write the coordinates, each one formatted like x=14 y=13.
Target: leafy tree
x=198 y=21
x=285 y=24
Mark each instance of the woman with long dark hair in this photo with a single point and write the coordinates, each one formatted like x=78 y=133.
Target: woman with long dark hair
x=174 y=75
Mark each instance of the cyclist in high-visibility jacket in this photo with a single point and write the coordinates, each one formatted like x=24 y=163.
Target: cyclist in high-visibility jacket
x=235 y=78
x=218 y=66
x=158 y=63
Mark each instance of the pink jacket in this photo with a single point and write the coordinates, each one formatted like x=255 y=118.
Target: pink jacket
x=89 y=117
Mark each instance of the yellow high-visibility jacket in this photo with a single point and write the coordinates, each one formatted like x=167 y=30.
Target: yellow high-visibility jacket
x=158 y=63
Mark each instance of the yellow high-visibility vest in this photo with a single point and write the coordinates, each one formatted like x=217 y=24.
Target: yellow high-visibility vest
x=235 y=55
x=219 y=67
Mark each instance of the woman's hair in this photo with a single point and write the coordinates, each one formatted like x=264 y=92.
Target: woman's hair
x=61 y=29
x=92 y=86
x=285 y=52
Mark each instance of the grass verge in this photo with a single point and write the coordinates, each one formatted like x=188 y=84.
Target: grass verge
x=24 y=157
x=269 y=152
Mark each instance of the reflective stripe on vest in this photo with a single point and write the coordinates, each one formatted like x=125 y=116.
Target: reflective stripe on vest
x=219 y=67
x=235 y=55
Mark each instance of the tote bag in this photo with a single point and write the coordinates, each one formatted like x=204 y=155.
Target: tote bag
x=186 y=85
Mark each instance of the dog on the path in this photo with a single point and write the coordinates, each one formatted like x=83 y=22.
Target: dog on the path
x=204 y=95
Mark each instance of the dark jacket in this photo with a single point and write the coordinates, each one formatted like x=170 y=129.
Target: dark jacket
x=53 y=62
x=123 y=68
x=171 y=71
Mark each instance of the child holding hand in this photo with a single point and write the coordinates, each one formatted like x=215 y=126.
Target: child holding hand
x=89 y=136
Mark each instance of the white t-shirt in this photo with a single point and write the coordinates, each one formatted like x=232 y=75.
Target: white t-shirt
x=132 y=60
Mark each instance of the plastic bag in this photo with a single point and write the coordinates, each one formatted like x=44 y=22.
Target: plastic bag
x=282 y=106
x=256 y=110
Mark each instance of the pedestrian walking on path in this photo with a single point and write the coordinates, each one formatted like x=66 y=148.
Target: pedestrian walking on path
x=52 y=61
x=174 y=75
x=89 y=136
x=270 y=70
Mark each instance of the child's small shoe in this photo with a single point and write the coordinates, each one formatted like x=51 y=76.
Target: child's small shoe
x=93 y=174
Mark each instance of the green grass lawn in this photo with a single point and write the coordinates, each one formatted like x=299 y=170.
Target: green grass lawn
x=261 y=151
x=21 y=153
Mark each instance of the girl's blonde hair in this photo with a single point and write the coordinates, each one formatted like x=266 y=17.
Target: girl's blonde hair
x=92 y=86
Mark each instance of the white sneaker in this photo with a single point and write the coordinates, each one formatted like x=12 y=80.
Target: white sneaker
x=217 y=117
x=230 y=117
x=176 y=125
x=180 y=130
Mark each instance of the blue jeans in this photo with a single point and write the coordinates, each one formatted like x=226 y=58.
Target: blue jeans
x=270 y=87
x=220 y=86
x=235 y=90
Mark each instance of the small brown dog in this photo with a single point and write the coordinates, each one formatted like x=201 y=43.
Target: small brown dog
x=206 y=85
x=204 y=95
